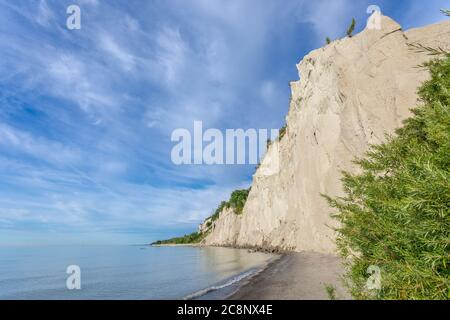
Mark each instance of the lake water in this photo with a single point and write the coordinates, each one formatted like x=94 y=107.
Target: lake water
x=125 y=272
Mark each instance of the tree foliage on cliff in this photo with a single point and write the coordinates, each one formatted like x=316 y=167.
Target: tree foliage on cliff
x=195 y=237
x=238 y=199
x=237 y=202
x=351 y=28
x=282 y=132
x=396 y=212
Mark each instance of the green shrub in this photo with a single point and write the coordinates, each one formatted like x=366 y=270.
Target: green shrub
x=237 y=200
x=195 y=237
x=331 y=291
x=351 y=28
x=395 y=212
x=219 y=209
x=328 y=40
x=282 y=132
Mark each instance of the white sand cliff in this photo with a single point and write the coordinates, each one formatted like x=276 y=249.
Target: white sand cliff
x=350 y=94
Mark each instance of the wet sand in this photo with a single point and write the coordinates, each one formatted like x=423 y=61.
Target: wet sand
x=295 y=276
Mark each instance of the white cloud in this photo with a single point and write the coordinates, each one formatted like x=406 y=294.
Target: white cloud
x=93 y=206
x=44 y=14
x=329 y=18
x=171 y=52
x=109 y=45
x=40 y=148
x=271 y=94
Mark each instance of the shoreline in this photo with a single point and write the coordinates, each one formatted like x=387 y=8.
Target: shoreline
x=222 y=290
x=177 y=245
x=295 y=276
x=268 y=250
x=286 y=276
x=248 y=280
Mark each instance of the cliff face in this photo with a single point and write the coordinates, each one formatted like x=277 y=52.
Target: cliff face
x=225 y=230
x=350 y=94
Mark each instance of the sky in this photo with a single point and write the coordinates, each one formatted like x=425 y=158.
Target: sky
x=86 y=115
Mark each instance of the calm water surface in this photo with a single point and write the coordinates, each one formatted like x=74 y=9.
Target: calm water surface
x=124 y=272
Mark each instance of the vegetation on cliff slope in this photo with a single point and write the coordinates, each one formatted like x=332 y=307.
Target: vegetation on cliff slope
x=195 y=237
x=351 y=28
x=396 y=212
x=237 y=202
x=282 y=132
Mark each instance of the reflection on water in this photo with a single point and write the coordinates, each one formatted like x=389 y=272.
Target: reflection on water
x=120 y=272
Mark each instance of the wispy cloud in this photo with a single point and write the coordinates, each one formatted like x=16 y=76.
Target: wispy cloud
x=43 y=149
x=109 y=45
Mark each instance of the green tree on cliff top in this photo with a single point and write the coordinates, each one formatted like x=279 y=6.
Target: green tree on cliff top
x=351 y=28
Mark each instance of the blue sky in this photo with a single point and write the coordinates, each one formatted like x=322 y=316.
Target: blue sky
x=86 y=115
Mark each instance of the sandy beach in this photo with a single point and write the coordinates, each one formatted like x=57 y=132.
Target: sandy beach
x=295 y=276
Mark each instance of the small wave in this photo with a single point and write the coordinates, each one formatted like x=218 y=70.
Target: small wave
x=228 y=283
